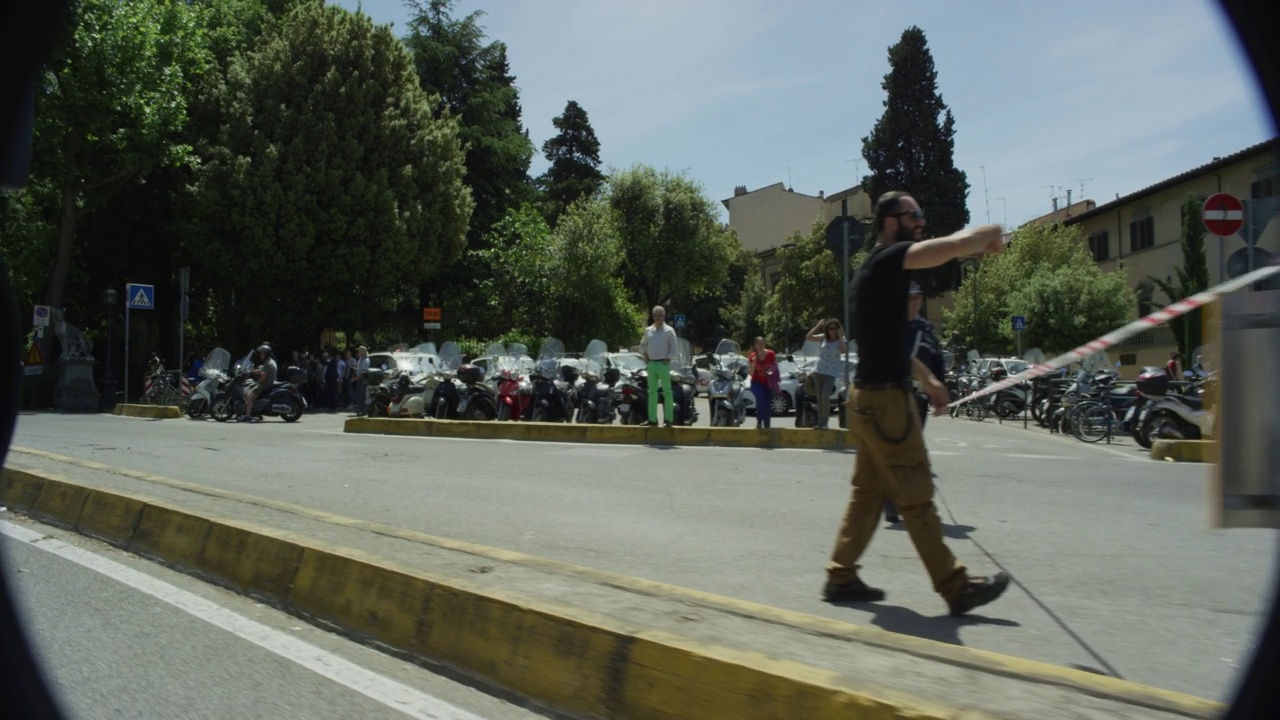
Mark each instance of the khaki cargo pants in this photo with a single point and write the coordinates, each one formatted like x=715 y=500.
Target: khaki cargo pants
x=892 y=463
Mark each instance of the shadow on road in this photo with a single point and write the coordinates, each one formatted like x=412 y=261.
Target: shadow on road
x=953 y=532
x=945 y=628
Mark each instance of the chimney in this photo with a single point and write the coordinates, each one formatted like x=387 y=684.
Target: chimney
x=1055 y=204
x=1068 y=202
x=739 y=190
x=821 y=195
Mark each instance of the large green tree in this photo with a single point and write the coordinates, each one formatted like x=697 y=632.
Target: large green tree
x=1048 y=276
x=110 y=107
x=473 y=78
x=809 y=288
x=911 y=148
x=332 y=189
x=1193 y=277
x=672 y=241
x=574 y=153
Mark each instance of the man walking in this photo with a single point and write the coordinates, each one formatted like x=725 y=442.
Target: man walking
x=658 y=347
x=892 y=462
x=362 y=384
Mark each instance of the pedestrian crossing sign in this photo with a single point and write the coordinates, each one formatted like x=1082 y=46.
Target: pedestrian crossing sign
x=141 y=297
x=33 y=355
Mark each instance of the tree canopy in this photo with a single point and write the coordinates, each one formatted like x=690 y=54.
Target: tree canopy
x=332 y=189
x=574 y=153
x=912 y=146
x=1048 y=276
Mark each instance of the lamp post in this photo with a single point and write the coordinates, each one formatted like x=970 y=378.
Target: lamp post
x=108 y=380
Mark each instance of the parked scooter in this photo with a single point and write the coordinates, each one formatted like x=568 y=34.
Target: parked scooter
x=515 y=396
x=215 y=380
x=684 y=385
x=725 y=395
x=445 y=396
x=596 y=391
x=551 y=383
x=1180 y=415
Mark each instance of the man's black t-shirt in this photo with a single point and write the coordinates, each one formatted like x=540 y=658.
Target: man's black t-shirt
x=880 y=316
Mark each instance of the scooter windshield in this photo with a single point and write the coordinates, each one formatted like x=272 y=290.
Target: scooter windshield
x=218 y=361
x=450 y=356
x=595 y=358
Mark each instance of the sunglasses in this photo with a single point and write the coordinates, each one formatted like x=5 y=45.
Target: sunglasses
x=916 y=214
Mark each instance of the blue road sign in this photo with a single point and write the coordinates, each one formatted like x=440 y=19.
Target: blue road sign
x=1019 y=323
x=679 y=322
x=141 y=297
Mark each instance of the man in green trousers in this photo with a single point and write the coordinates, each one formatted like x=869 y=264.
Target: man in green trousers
x=659 y=347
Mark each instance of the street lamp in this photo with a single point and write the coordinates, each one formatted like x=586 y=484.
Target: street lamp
x=108 y=380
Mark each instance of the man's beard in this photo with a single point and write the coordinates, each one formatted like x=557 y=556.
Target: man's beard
x=904 y=234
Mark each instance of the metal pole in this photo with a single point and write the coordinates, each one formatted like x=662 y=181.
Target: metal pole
x=844 y=271
x=126 y=348
x=184 y=280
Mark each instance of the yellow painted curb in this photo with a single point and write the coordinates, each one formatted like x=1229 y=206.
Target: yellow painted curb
x=835 y=439
x=184 y=536
x=1203 y=451
x=573 y=659
x=153 y=412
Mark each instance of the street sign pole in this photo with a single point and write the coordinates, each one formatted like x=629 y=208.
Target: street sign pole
x=184 y=281
x=126 y=346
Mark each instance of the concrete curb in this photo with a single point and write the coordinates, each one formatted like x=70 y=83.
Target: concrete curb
x=1202 y=451
x=576 y=661
x=359 y=594
x=807 y=438
x=153 y=412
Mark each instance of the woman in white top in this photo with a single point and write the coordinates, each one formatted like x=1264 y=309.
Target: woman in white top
x=830 y=363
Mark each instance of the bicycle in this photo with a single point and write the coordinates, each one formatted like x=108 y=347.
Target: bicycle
x=163 y=389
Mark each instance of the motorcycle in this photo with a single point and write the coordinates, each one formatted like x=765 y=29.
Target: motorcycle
x=281 y=400
x=443 y=386
x=216 y=379
x=806 y=401
x=725 y=395
x=513 y=392
x=1179 y=415
x=596 y=391
x=552 y=381
x=684 y=385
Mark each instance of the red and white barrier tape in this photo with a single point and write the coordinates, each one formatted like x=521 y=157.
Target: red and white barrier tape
x=1159 y=317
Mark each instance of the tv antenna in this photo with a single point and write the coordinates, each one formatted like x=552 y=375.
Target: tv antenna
x=986 y=194
x=1082 y=181
x=857 y=170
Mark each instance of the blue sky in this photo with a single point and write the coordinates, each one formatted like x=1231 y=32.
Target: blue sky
x=1118 y=94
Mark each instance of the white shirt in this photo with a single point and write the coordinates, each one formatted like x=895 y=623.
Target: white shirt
x=362 y=366
x=659 y=343
x=829 y=362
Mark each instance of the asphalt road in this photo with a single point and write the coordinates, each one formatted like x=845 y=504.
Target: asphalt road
x=121 y=638
x=1116 y=567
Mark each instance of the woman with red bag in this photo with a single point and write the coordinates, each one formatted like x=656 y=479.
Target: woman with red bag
x=765 y=379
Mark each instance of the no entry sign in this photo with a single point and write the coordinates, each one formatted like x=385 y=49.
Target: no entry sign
x=1223 y=214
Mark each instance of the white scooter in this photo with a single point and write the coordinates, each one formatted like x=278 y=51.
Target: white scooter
x=215 y=378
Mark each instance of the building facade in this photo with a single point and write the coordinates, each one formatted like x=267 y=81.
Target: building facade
x=765 y=219
x=1141 y=234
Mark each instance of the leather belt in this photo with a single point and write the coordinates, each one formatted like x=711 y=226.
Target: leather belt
x=902 y=385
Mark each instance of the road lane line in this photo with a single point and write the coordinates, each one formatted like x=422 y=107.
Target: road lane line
x=1031 y=456
x=391 y=693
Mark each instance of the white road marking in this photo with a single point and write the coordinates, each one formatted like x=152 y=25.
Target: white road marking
x=951 y=441
x=943 y=452
x=1029 y=456
x=391 y=693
